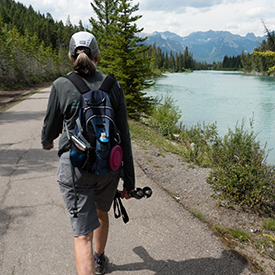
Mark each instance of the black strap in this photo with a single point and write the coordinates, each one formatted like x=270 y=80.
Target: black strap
x=108 y=83
x=74 y=210
x=83 y=88
x=119 y=209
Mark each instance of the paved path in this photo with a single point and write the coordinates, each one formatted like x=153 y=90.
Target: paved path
x=35 y=233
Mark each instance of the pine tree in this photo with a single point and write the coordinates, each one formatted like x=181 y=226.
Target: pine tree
x=106 y=16
x=33 y=47
x=187 y=59
x=180 y=62
x=131 y=68
x=123 y=51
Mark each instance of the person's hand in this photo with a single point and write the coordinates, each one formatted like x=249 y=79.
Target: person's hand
x=125 y=194
x=48 y=148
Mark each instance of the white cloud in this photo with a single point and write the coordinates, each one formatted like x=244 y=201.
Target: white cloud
x=61 y=9
x=239 y=17
x=177 y=5
x=181 y=17
x=256 y=12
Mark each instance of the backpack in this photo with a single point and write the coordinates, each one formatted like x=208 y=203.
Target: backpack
x=94 y=145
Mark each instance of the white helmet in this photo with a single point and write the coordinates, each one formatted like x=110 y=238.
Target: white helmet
x=83 y=39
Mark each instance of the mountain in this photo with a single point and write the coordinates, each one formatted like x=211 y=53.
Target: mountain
x=206 y=46
x=165 y=42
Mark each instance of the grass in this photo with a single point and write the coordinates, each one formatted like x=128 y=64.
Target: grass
x=147 y=136
x=199 y=215
x=265 y=245
x=221 y=229
x=235 y=232
x=239 y=234
x=269 y=224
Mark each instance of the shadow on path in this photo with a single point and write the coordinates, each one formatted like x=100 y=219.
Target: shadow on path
x=20 y=161
x=16 y=116
x=230 y=263
x=9 y=215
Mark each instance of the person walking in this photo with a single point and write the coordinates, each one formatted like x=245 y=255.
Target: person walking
x=95 y=193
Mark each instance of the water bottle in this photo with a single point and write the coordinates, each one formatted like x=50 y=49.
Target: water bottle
x=76 y=158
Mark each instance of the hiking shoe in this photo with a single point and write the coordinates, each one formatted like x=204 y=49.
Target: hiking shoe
x=100 y=266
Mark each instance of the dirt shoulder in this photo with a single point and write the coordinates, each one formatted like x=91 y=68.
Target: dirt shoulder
x=189 y=188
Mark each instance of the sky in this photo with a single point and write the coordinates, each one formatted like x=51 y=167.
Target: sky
x=179 y=16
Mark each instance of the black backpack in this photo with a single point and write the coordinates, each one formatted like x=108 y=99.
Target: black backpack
x=94 y=144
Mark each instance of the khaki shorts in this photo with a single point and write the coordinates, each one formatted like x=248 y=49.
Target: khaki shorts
x=93 y=192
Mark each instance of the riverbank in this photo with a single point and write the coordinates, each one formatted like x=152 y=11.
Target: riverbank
x=186 y=183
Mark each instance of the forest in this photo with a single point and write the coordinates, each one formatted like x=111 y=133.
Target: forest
x=33 y=46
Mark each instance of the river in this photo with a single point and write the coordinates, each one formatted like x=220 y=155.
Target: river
x=224 y=98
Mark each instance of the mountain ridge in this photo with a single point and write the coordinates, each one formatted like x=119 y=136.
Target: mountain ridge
x=208 y=46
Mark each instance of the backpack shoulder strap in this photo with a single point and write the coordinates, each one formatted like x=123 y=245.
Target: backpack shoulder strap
x=82 y=87
x=79 y=83
x=108 y=83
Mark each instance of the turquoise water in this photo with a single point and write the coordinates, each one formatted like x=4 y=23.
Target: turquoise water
x=225 y=98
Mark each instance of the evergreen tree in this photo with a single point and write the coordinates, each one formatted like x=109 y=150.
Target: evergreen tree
x=123 y=52
x=263 y=58
x=187 y=59
x=33 y=47
x=180 y=62
x=106 y=16
x=165 y=62
x=172 y=64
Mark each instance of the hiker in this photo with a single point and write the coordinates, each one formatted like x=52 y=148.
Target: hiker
x=95 y=193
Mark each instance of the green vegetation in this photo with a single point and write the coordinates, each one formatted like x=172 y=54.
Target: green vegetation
x=164 y=62
x=146 y=136
x=199 y=141
x=184 y=62
x=33 y=47
x=239 y=234
x=123 y=51
x=165 y=116
x=263 y=58
x=239 y=175
x=221 y=229
x=240 y=172
x=265 y=244
x=228 y=64
x=269 y=224
x=199 y=215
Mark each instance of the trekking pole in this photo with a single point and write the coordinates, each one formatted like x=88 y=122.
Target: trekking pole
x=119 y=209
x=139 y=193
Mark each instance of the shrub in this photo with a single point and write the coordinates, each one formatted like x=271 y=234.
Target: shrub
x=165 y=116
x=199 y=142
x=241 y=173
